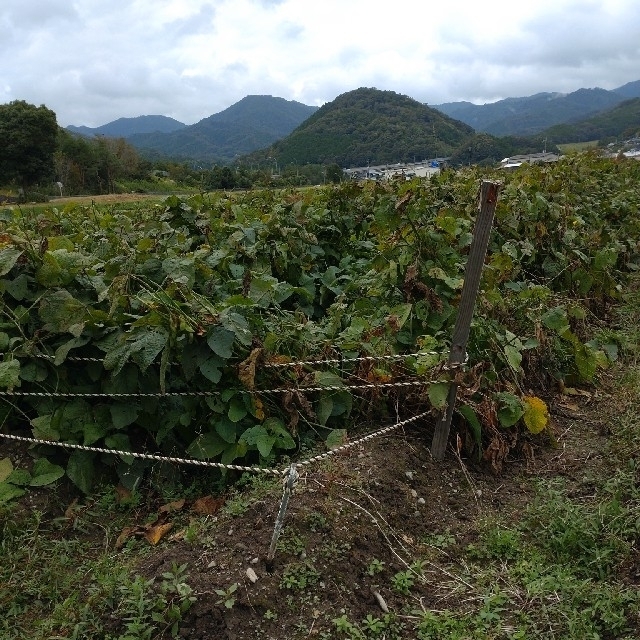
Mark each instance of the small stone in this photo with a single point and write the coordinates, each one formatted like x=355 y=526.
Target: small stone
x=414 y=493
x=479 y=493
x=211 y=565
x=230 y=532
x=421 y=501
x=409 y=474
x=255 y=560
x=251 y=574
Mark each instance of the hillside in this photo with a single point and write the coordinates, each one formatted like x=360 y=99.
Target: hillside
x=623 y=121
x=369 y=126
x=126 y=127
x=252 y=123
x=529 y=115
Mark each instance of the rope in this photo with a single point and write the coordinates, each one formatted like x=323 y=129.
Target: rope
x=355 y=443
x=206 y=394
x=147 y=456
x=274 y=365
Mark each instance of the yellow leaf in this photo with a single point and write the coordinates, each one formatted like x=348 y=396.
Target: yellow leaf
x=157 y=532
x=536 y=414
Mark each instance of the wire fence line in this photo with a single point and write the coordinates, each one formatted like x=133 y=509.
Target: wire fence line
x=206 y=394
x=276 y=365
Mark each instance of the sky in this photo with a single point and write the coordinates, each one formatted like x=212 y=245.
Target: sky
x=93 y=61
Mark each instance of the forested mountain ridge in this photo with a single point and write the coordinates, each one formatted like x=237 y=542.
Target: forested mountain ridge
x=369 y=125
x=533 y=114
x=252 y=123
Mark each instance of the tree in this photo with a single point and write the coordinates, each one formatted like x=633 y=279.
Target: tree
x=29 y=135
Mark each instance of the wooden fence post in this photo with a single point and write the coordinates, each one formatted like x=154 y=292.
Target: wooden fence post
x=488 y=200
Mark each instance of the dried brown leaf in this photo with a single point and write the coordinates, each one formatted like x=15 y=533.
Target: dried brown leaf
x=207 y=505
x=155 y=533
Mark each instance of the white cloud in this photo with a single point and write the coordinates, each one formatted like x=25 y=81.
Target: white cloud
x=92 y=61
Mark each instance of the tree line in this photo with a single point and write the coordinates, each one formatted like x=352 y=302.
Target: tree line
x=41 y=159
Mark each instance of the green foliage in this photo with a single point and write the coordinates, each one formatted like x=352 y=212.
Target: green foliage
x=28 y=135
x=193 y=295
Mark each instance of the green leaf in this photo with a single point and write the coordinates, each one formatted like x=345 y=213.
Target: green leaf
x=207 y=445
x=438 y=394
x=211 y=368
x=514 y=357
x=19 y=477
x=336 y=438
x=81 y=470
x=9 y=492
x=324 y=408
x=259 y=437
x=9 y=374
x=476 y=428
x=146 y=347
x=283 y=437
x=220 y=340
x=92 y=432
x=511 y=409
x=45 y=472
x=226 y=430
x=586 y=360
x=237 y=409
x=18 y=288
x=61 y=311
x=6 y=467
x=123 y=414
x=555 y=319
x=43 y=427
x=8 y=257
x=4 y=341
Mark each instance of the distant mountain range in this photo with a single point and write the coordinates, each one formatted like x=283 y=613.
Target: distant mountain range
x=252 y=123
x=125 y=127
x=533 y=114
x=372 y=126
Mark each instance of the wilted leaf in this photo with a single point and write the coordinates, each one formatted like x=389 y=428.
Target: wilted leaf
x=154 y=534
x=247 y=368
x=126 y=533
x=207 y=505
x=536 y=414
x=176 y=505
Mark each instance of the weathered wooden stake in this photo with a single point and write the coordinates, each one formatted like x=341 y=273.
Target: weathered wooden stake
x=488 y=200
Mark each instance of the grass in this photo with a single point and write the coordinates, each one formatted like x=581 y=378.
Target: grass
x=576 y=147
x=61 y=580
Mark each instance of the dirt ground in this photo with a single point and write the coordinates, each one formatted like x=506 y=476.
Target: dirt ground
x=386 y=504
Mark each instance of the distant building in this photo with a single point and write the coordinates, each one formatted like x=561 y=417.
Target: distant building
x=513 y=162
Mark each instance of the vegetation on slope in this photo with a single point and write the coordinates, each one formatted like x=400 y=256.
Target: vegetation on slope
x=369 y=125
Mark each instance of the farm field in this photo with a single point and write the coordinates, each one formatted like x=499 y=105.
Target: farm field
x=193 y=328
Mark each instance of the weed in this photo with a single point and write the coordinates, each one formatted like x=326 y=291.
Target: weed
x=227 y=596
x=375 y=567
x=298 y=576
x=403 y=581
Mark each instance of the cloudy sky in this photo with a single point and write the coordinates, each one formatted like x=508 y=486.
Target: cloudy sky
x=93 y=61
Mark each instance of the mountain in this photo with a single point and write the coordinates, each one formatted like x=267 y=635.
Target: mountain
x=530 y=115
x=368 y=126
x=629 y=90
x=126 y=127
x=252 y=123
x=622 y=121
